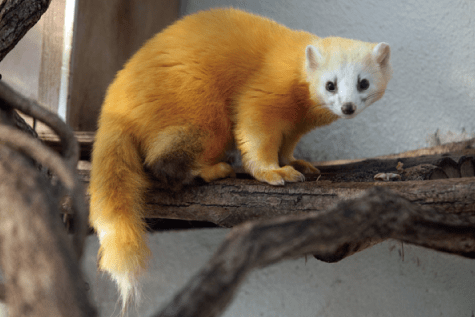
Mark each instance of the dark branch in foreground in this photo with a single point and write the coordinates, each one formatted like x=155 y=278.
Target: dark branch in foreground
x=10 y=99
x=63 y=167
x=41 y=271
x=42 y=275
x=351 y=225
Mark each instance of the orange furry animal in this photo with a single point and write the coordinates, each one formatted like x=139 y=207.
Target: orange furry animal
x=212 y=81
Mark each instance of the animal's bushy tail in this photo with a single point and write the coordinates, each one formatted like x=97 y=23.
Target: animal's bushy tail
x=117 y=184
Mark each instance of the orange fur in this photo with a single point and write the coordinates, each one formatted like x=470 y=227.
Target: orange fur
x=210 y=81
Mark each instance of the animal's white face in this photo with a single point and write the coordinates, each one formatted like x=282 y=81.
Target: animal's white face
x=347 y=76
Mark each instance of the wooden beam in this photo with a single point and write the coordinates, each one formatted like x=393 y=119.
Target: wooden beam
x=85 y=140
x=51 y=56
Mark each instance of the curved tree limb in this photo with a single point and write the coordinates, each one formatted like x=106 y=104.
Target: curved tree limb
x=42 y=274
x=49 y=249
x=16 y=18
x=11 y=99
x=34 y=247
x=34 y=149
x=378 y=215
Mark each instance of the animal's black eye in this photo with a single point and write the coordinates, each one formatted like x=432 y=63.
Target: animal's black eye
x=330 y=86
x=363 y=84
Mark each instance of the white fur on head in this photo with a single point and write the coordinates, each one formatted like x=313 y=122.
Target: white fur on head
x=335 y=73
x=381 y=53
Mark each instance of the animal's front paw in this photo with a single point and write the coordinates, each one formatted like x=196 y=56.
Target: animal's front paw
x=304 y=167
x=279 y=176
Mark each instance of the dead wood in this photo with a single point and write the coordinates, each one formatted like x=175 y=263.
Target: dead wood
x=42 y=276
x=424 y=167
x=378 y=215
x=232 y=201
x=39 y=264
x=9 y=99
x=16 y=18
x=41 y=271
x=64 y=168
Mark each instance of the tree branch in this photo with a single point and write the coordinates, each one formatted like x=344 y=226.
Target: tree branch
x=16 y=18
x=230 y=202
x=42 y=274
x=34 y=149
x=11 y=99
x=378 y=215
x=65 y=170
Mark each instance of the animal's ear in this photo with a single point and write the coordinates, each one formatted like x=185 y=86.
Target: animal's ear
x=381 y=53
x=312 y=58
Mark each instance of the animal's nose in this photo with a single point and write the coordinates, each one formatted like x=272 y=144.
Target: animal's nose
x=348 y=108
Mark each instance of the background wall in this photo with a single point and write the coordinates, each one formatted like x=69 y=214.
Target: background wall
x=387 y=280
x=430 y=100
x=431 y=97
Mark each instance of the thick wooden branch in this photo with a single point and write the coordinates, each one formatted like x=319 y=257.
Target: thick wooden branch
x=377 y=215
x=16 y=18
x=40 y=267
x=10 y=99
x=231 y=202
x=41 y=271
x=63 y=167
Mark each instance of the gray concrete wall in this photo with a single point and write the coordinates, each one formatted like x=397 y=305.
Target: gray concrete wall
x=431 y=98
x=21 y=67
x=387 y=280
x=433 y=56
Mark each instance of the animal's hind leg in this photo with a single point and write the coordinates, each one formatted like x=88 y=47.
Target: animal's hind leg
x=179 y=154
x=171 y=157
x=216 y=171
x=210 y=163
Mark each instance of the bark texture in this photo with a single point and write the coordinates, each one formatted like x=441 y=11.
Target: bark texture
x=40 y=263
x=230 y=202
x=332 y=235
x=16 y=18
x=40 y=267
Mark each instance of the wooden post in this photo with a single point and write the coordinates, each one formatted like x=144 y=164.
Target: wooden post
x=107 y=34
